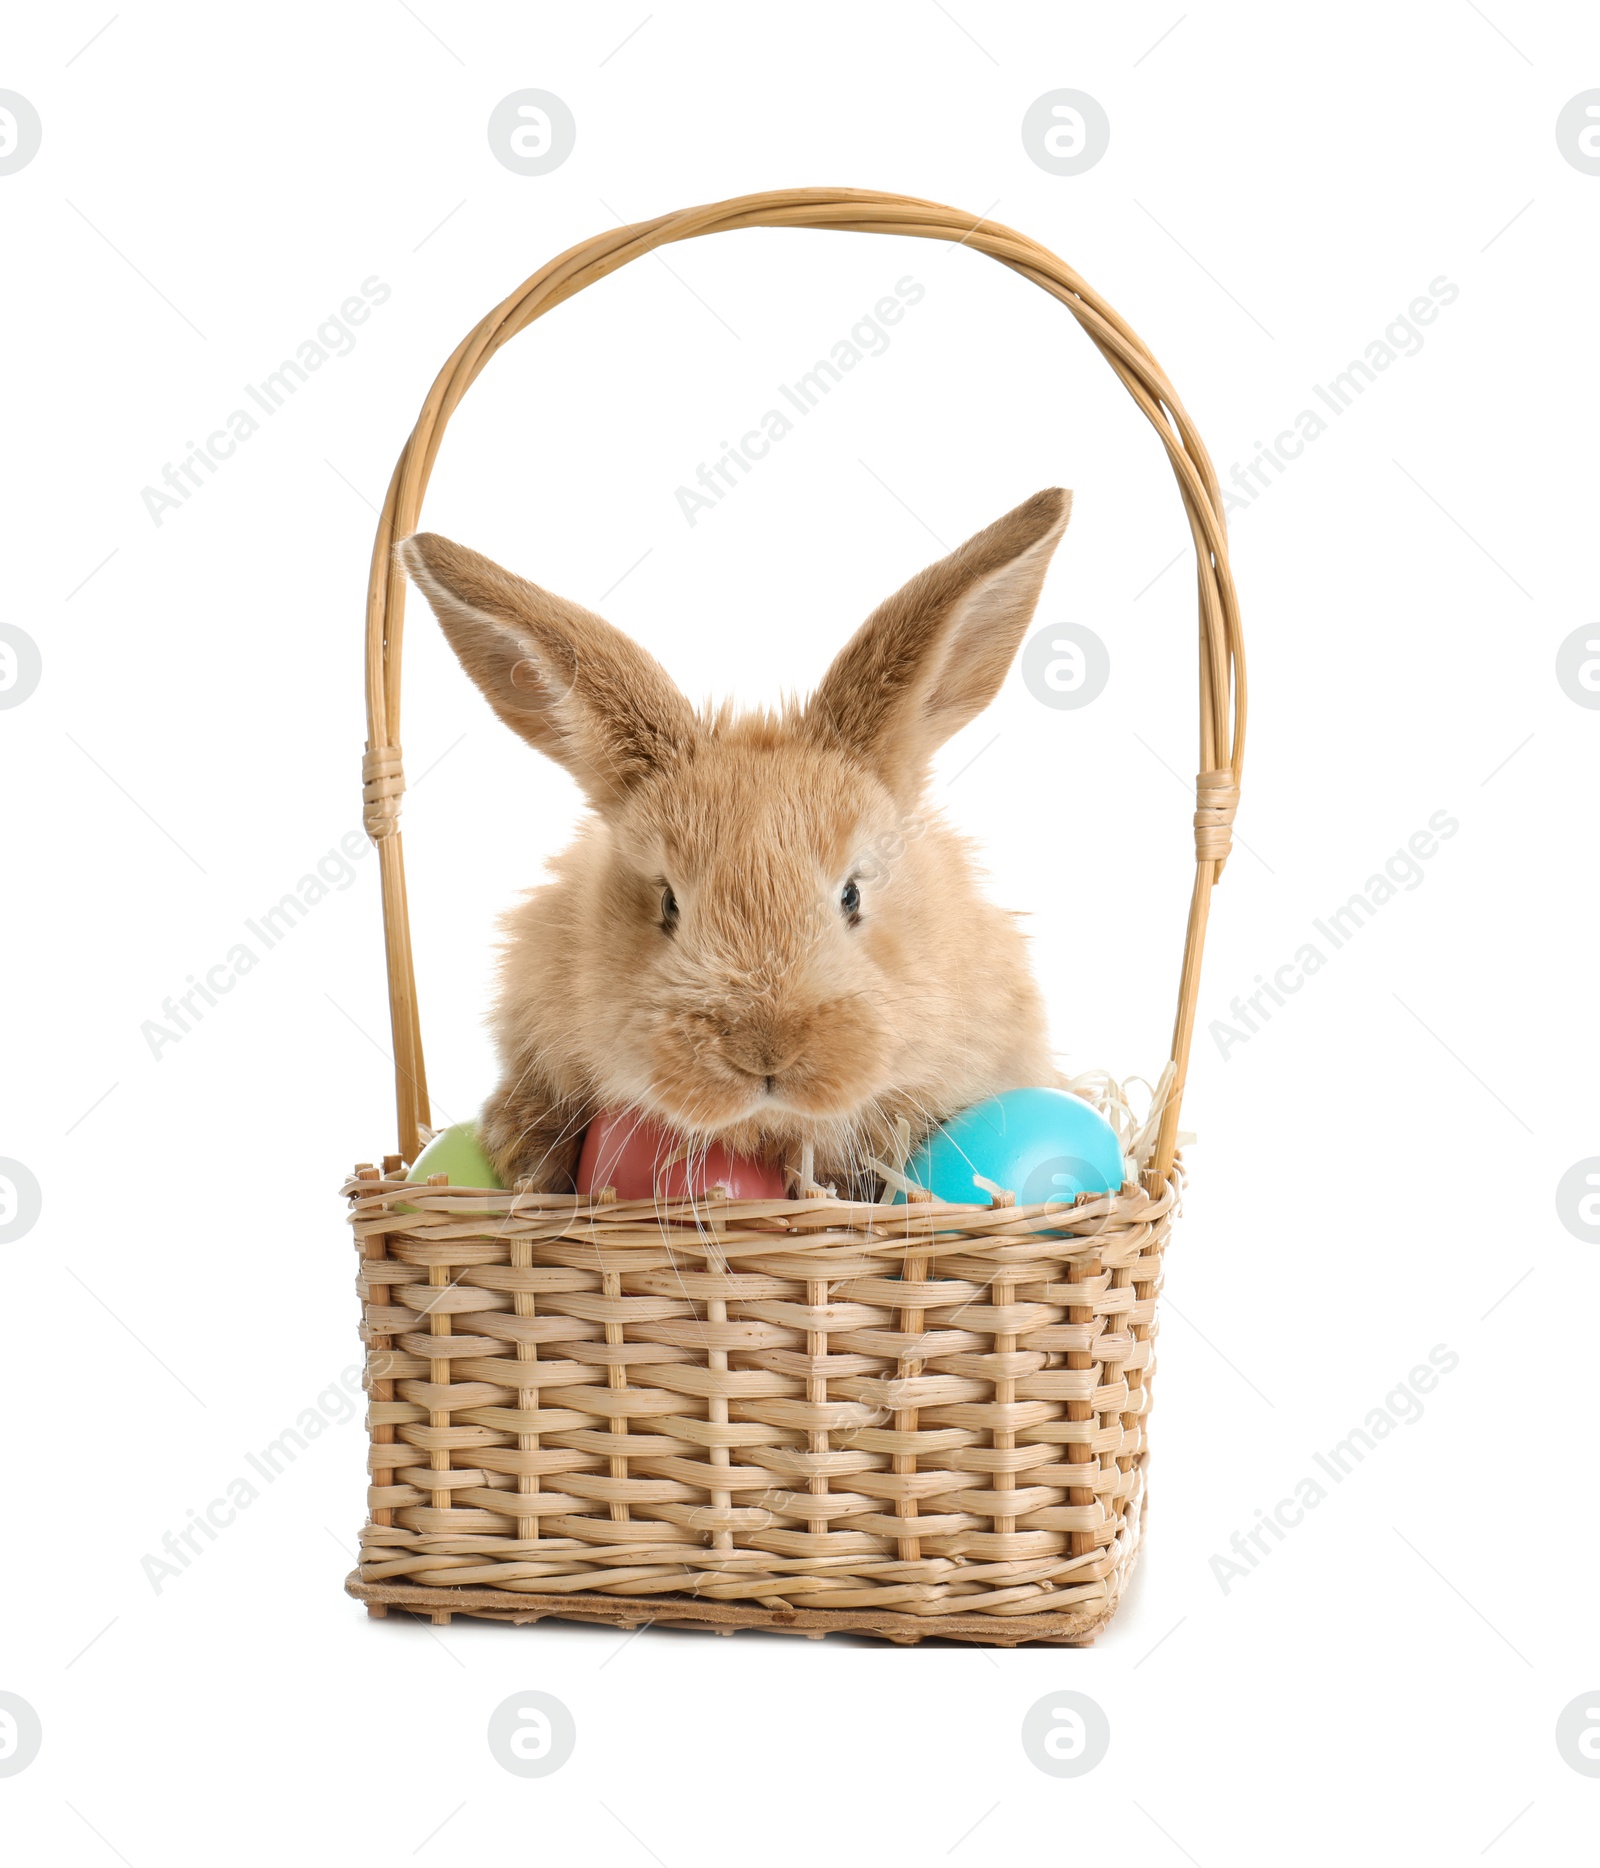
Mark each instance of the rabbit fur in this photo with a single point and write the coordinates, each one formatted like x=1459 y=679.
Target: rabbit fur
x=763 y=934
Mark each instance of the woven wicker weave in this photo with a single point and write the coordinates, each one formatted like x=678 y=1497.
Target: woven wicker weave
x=806 y=1414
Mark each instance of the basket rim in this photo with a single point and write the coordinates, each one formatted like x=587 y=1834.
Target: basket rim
x=366 y=1183
x=444 y=1219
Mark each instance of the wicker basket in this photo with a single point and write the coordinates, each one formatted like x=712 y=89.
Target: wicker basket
x=805 y=1414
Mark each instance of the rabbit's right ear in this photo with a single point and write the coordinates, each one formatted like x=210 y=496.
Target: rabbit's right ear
x=933 y=656
x=557 y=674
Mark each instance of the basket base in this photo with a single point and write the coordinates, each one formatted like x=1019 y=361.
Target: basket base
x=1073 y=1629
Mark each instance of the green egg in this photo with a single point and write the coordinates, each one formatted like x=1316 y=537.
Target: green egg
x=455 y=1151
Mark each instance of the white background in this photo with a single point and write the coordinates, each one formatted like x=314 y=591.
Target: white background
x=1376 y=1169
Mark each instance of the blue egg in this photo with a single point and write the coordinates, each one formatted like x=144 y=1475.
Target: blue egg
x=1041 y=1144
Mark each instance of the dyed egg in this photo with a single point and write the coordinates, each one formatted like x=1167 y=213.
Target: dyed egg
x=640 y=1159
x=455 y=1152
x=1040 y=1144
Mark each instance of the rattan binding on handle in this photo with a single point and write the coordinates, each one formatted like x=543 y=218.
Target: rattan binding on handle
x=848 y=210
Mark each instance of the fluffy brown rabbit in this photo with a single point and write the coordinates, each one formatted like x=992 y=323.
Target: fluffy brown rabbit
x=763 y=934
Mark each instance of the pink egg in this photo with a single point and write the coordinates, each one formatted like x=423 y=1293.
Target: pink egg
x=642 y=1160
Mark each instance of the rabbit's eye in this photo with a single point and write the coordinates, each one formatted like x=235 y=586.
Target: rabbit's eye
x=850 y=902
x=669 y=910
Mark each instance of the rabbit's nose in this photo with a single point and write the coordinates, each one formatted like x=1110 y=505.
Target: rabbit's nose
x=759 y=1050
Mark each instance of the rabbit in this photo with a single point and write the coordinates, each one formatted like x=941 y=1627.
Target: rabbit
x=763 y=935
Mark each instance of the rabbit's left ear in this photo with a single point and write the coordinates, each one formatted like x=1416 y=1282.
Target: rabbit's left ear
x=934 y=655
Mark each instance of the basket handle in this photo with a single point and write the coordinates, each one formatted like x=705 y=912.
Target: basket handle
x=848 y=210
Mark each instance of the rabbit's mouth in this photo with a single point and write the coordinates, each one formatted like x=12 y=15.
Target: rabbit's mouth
x=714 y=1076
x=793 y=1093
x=714 y=1103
